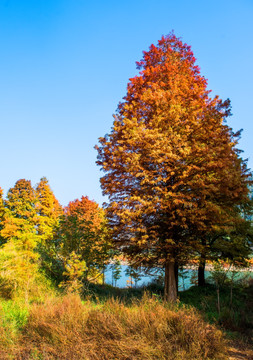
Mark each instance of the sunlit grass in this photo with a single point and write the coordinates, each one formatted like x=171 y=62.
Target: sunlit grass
x=110 y=323
x=68 y=328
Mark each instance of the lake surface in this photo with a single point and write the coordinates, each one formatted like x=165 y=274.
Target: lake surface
x=186 y=278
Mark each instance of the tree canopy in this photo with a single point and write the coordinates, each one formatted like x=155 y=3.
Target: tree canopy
x=172 y=169
x=38 y=236
x=83 y=232
x=49 y=211
x=20 y=217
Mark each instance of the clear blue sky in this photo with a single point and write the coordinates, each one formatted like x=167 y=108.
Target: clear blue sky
x=65 y=66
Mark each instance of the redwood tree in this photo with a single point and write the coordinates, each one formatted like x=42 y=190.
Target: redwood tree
x=172 y=170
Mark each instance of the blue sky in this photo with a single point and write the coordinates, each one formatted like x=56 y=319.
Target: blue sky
x=65 y=64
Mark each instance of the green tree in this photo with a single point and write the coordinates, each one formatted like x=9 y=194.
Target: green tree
x=116 y=272
x=172 y=170
x=234 y=242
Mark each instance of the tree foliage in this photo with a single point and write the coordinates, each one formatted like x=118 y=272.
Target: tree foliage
x=172 y=169
x=49 y=211
x=233 y=242
x=49 y=214
x=116 y=271
x=83 y=231
x=38 y=235
x=18 y=270
x=74 y=272
x=29 y=220
x=18 y=256
x=20 y=217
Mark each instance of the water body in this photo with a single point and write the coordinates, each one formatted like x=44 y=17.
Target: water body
x=185 y=280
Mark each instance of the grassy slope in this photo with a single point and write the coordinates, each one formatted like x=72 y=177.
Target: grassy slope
x=65 y=328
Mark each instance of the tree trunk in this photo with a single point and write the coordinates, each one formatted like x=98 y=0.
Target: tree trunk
x=176 y=275
x=202 y=264
x=218 y=300
x=201 y=271
x=231 y=295
x=170 y=286
x=103 y=274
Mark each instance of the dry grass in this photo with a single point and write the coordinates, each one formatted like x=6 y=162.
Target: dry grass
x=67 y=329
x=6 y=343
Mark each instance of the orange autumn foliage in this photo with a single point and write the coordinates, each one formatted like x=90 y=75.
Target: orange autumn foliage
x=172 y=169
x=83 y=231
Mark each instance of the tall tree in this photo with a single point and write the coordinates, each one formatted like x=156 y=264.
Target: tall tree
x=20 y=218
x=18 y=265
x=234 y=242
x=83 y=231
x=49 y=213
x=172 y=170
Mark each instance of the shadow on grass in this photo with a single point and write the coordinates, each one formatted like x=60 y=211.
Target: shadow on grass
x=236 y=318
